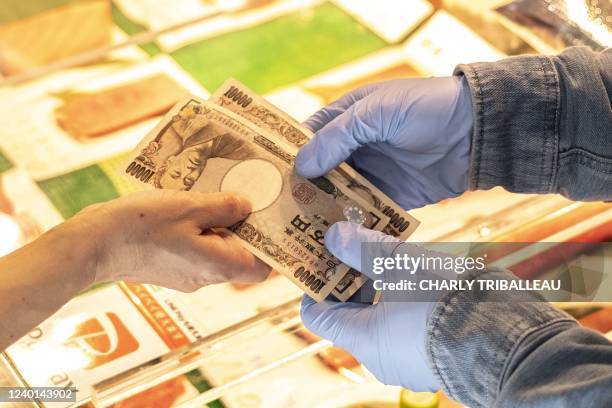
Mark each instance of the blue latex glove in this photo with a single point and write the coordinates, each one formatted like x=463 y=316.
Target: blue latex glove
x=389 y=337
x=409 y=137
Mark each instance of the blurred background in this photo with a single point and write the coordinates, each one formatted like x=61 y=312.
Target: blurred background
x=82 y=81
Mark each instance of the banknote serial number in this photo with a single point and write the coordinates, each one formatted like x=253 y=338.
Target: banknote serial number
x=41 y=394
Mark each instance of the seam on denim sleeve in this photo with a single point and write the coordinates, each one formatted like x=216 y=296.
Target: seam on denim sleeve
x=441 y=309
x=477 y=150
x=477 y=137
x=549 y=141
x=544 y=130
x=556 y=132
x=438 y=312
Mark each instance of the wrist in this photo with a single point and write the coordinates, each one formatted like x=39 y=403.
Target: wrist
x=515 y=136
x=75 y=249
x=88 y=232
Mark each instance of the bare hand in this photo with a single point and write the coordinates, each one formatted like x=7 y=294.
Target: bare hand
x=165 y=238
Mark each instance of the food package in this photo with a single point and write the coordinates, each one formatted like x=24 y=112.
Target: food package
x=54 y=34
x=96 y=114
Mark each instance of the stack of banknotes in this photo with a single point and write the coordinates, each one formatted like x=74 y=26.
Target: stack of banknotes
x=238 y=142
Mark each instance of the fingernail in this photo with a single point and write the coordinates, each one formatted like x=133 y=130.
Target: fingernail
x=303 y=160
x=299 y=160
x=338 y=237
x=245 y=205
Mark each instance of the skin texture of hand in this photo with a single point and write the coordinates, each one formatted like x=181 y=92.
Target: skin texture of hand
x=388 y=337
x=160 y=237
x=409 y=137
x=166 y=238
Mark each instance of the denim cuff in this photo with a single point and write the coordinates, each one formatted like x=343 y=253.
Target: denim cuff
x=472 y=337
x=515 y=140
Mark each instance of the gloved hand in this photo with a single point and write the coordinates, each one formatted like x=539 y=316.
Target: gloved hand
x=389 y=337
x=409 y=137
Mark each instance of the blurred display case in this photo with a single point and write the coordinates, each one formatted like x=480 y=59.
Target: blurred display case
x=82 y=81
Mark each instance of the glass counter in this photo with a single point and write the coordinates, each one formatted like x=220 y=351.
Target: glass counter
x=72 y=106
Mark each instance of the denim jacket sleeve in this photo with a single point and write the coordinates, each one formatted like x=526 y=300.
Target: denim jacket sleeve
x=543 y=124
x=490 y=350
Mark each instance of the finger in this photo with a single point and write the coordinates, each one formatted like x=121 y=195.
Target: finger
x=345 y=240
x=218 y=209
x=325 y=115
x=250 y=270
x=232 y=261
x=335 y=321
x=335 y=142
x=351 y=242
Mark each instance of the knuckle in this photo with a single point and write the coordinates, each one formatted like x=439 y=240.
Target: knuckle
x=190 y=200
x=169 y=197
x=168 y=204
x=190 y=205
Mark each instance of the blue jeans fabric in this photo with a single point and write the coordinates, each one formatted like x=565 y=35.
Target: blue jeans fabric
x=542 y=124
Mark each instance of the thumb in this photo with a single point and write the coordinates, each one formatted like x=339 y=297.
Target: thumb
x=339 y=322
x=352 y=244
x=335 y=142
x=345 y=240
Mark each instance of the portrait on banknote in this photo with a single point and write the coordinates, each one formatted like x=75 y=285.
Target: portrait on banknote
x=200 y=146
x=180 y=152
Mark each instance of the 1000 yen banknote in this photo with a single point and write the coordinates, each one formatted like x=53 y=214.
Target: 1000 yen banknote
x=241 y=100
x=200 y=146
